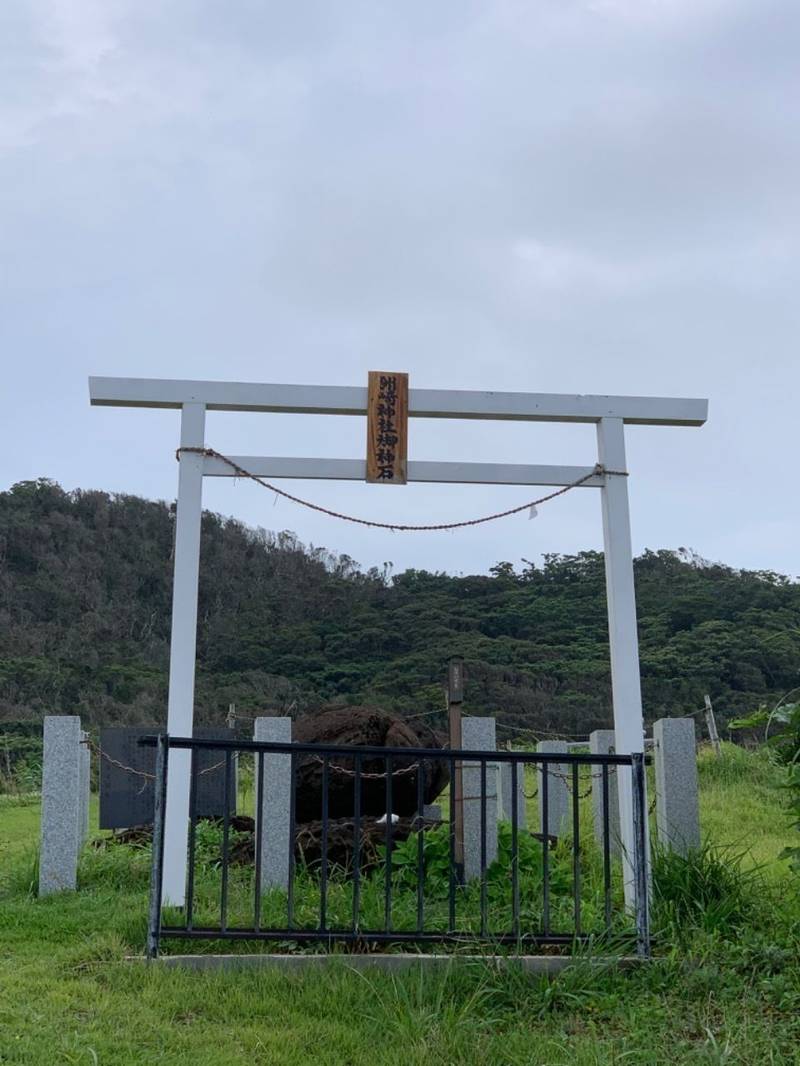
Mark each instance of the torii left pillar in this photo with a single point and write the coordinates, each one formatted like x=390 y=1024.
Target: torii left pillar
x=183 y=650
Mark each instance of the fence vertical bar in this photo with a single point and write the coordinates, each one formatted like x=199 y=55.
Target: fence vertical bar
x=157 y=868
x=576 y=845
x=483 y=846
x=290 y=886
x=356 y=842
x=259 y=839
x=455 y=697
x=192 y=839
x=226 y=825
x=323 y=876
x=641 y=878
x=515 y=850
x=545 y=852
x=387 y=919
x=420 y=852
x=451 y=888
x=606 y=848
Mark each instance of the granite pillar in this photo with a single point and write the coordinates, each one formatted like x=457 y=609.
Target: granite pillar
x=677 y=805
x=273 y=821
x=479 y=734
x=62 y=818
x=601 y=742
x=555 y=775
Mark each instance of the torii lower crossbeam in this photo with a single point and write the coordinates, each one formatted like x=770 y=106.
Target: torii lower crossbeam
x=425 y=472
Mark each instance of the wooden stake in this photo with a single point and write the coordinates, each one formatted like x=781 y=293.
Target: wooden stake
x=455 y=697
x=711 y=723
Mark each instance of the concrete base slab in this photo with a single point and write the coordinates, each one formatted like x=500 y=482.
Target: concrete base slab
x=534 y=964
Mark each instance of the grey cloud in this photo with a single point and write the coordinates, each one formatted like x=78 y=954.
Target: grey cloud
x=594 y=195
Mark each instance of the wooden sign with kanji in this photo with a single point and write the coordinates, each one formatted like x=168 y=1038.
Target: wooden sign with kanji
x=387 y=427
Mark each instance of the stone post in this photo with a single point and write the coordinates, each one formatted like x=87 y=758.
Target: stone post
x=506 y=801
x=557 y=794
x=62 y=818
x=479 y=734
x=273 y=821
x=677 y=808
x=601 y=742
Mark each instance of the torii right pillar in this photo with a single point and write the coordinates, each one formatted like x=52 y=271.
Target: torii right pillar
x=622 y=628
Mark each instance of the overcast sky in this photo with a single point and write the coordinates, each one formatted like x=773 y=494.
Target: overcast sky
x=595 y=196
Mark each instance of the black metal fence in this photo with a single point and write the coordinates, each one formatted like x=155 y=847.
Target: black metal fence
x=405 y=881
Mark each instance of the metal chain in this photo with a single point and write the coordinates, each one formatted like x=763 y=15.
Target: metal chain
x=98 y=751
x=567 y=779
x=369 y=776
x=533 y=733
x=210 y=453
x=592 y=777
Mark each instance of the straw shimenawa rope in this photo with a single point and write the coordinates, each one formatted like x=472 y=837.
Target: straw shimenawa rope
x=209 y=453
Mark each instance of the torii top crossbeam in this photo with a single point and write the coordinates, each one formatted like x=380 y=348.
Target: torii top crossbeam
x=610 y=414
x=422 y=403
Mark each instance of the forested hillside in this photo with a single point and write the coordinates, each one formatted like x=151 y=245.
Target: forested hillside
x=85 y=582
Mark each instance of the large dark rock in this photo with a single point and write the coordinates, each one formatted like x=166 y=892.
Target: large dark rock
x=372 y=840
x=308 y=838
x=365 y=726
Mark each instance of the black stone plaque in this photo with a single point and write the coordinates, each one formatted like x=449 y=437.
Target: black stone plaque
x=126 y=798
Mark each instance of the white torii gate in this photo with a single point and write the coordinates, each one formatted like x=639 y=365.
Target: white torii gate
x=194 y=398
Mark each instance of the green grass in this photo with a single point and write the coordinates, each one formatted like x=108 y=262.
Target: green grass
x=726 y=991
x=743 y=805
